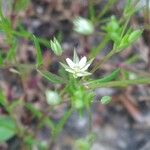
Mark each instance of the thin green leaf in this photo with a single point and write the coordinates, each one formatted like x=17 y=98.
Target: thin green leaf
x=96 y=50
x=49 y=123
x=62 y=122
x=12 y=52
x=21 y=5
x=91 y=10
x=39 y=58
x=34 y=110
x=7 y=128
x=22 y=32
x=51 y=77
x=107 y=78
x=25 y=34
x=39 y=115
x=2 y=98
x=121 y=83
x=5 y=23
x=1 y=59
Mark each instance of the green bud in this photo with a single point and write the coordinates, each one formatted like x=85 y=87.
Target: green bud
x=132 y=76
x=129 y=10
x=123 y=44
x=115 y=36
x=83 y=26
x=105 y=100
x=78 y=94
x=134 y=36
x=78 y=104
x=114 y=24
x=128 y=39
x=52 y=97
x=113 y=29
x=56 y=47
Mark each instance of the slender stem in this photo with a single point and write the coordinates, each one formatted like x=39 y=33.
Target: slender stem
x=110 y=54
x=100 y=47
x=59 y=127
x=20 y=66
x=106 y=8
x=90 y=120
x=91 y=10
x=121 y=83
x=124 y=28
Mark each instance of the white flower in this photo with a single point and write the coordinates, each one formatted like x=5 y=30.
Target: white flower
x=77 y=67
x=83 y=26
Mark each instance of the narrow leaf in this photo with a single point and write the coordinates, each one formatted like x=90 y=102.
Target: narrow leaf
x=12 y=52
x=2 y=98
x=121 y=83
x=21 y=5
x=34 y=110
x=1 y=59
x=7 y=128
x=38 y=50
x=107 y=78
x=62 y=122
x=51 y=77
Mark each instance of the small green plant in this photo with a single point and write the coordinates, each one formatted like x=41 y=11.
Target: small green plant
x=76 y=85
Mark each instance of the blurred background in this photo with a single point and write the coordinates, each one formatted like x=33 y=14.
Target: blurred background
x=124 y=124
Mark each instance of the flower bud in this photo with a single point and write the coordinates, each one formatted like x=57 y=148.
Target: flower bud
x=79 y=104
x=113 y=25
x=134 y=36
x=83 y=26
x=56 y=47
x=52 y=97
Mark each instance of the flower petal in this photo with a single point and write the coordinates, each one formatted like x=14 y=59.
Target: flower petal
x=70 y=63
x=82 y=62
x=70 y=70
x=87 y=65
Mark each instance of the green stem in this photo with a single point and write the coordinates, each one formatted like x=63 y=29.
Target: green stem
x=100 y=47
x=91 y=10
x=110 y=54
x=121 y=83
x=124 y=28
x=106 y=8
x=59 y=127
x=90 y=120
